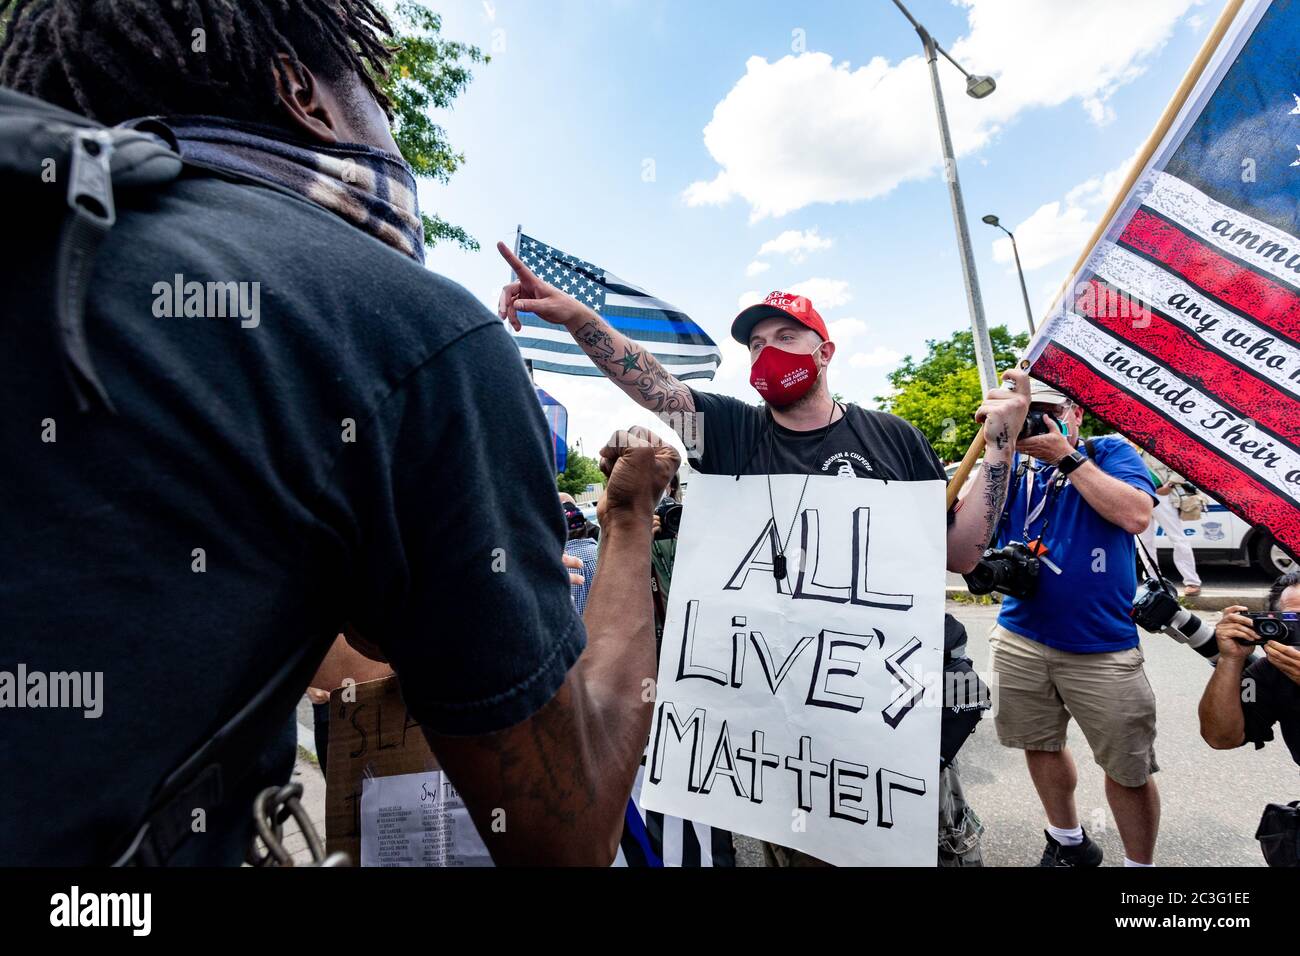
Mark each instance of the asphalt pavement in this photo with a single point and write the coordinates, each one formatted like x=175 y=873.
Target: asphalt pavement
x=1211 y=799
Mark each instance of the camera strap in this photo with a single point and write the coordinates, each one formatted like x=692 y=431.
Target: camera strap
x=1152 y=564
x=1057 y=482
x=1054 y=485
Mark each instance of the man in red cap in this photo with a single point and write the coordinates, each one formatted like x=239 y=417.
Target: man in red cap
x=800 y=428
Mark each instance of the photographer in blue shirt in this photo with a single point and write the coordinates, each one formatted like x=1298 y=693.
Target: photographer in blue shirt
x=1064 y=645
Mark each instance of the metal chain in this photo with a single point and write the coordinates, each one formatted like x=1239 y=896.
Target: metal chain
x=271 y=809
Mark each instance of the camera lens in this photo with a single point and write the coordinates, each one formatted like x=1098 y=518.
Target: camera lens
x=982 y=579
x=1269 y=629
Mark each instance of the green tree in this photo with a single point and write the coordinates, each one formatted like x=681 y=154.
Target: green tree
x=580 y=471
x=427 y=73
x=939 y=393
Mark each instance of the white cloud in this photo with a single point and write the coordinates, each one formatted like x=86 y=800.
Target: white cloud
x=1049 y=234
x=805 y=129
x=1099 y=111
x=879 y=357
x=842 y=330
x=1062 y=228
x=756 y=268
x=795 y=244
x=713 y=193
x=1100 y=190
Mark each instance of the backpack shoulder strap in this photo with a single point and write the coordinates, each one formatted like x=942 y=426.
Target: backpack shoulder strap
x=212 y=774
x=41 y=142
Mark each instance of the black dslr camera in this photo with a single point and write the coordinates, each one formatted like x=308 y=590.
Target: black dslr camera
x=1280 y=626
x=670 y=518
x=1012 y=570
x=1155 y=607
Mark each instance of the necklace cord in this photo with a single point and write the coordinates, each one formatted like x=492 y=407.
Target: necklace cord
x=778 y=546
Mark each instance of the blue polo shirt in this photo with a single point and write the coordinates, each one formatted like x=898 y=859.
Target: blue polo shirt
x=1084 y=608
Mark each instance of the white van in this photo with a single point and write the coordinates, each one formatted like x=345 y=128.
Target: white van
x=1220 y=537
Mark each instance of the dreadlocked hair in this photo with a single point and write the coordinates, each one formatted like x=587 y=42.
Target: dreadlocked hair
x=113 y=60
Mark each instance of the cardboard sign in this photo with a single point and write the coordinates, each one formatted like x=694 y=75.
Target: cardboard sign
x=371 y=735
x=805 y=711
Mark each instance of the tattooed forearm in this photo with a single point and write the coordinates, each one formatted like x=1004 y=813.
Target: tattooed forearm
x=995 y=492
x=634 y=370
x=596 y=342
x=1000 y=439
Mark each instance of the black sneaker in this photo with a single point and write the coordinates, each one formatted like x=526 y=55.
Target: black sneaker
x=1086 y=853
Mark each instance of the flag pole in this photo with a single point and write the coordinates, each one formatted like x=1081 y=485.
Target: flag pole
x=1153 y=142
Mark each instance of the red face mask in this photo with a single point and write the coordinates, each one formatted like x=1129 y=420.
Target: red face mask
x=782 y=377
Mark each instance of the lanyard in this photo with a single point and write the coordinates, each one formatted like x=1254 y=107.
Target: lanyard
x=1054 y=483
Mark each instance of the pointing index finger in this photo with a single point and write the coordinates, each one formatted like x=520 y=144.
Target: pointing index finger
x=508 y=254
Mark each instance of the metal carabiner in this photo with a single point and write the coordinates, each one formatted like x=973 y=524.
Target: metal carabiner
x=272 y=807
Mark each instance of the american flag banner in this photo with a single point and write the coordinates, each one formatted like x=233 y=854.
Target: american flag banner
x=672 y=336
x=1182 y=328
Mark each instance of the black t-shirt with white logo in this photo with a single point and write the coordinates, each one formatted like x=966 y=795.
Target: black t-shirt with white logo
x=739 y=439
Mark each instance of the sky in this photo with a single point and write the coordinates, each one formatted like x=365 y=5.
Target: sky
x=712 y=153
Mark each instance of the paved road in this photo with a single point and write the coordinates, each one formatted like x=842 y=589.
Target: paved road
x=1221 y=586
x=1212 y=799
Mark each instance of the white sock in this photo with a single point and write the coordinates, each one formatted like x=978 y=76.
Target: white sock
x=1066 y=837
x=1128 y=862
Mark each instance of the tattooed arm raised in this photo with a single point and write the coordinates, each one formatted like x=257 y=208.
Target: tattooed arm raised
x=1002 y=414
x=628 y=366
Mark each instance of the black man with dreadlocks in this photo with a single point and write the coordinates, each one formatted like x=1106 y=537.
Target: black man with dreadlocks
x=240 y=417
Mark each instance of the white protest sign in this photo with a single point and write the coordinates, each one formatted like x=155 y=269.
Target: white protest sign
x=798 y=712
x=417 y=819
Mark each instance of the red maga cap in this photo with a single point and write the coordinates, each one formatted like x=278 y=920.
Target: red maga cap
x=779 y=305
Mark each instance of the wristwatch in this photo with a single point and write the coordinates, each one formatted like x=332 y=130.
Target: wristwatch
x=1071 y=461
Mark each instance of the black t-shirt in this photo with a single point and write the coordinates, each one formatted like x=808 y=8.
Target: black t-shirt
x=732 y=438
x=369 y=452
x=739 y=439
x=1270 y=697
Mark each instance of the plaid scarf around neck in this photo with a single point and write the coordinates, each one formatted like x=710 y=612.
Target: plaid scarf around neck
x=371 y=189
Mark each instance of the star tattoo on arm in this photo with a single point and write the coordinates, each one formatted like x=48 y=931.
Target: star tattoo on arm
x=631 y=361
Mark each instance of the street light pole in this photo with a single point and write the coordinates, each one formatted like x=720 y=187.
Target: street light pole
x=992 y=220
x=977 y=87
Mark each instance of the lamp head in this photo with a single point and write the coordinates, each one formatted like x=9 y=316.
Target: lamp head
x=991 y=220
x=979 y=87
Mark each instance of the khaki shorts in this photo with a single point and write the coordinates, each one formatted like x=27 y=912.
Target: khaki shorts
x=1039 y=688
